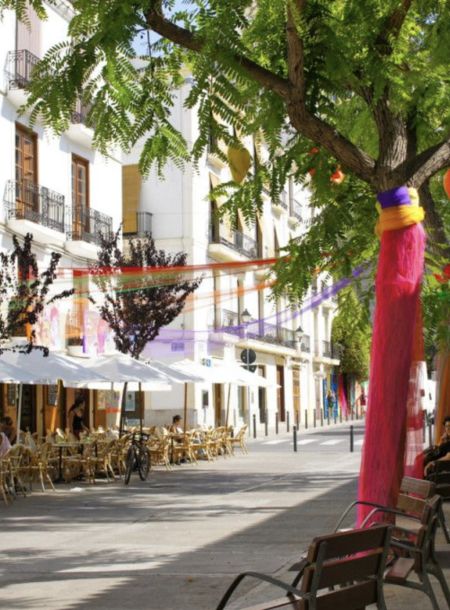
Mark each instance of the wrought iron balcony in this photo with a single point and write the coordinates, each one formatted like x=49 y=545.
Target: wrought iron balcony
x=144 y=221
x=237 y=241
x=19 y=68
x=89 y=225
x=25 y=200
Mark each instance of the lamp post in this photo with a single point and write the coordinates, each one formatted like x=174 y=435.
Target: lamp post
x=299 y=334
x=246 y=319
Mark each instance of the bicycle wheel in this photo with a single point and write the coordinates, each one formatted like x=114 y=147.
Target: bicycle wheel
x=130 y=463
x=144 y=463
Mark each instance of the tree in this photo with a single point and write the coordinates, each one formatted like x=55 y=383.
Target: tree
x=351 y=330
x=24 y=292
x=326 y=84
x=157 y=297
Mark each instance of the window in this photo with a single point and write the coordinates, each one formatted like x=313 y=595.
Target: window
x=27 y=195
x=80 y=182
x=80 y=196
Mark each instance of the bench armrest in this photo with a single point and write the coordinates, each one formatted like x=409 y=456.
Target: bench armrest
x=290 y=590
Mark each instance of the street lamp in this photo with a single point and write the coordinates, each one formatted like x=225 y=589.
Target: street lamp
x=246 y=318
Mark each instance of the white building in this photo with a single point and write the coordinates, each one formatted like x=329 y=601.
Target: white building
x=180 y=216
x=57 y=188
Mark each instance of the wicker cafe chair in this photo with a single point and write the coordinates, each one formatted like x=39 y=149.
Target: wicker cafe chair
x=98 y=460
x=342 y=570
x=159 y=448
x=44 y=464
x=5 y=479
x=240 y=440
x=20 y=460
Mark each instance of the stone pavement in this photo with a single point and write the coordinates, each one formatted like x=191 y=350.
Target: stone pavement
x=176 y=541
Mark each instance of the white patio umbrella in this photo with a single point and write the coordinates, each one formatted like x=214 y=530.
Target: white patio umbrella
x=130 y=374
x=35 y=368
x=179 y=376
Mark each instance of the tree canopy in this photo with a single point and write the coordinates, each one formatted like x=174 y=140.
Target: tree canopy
x=324 y=84
x=136 y=314
x=24 y=293
x=352 y=332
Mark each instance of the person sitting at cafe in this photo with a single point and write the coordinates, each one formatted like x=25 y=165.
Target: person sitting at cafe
x=442 y=451
x=8 y=428
x=76 y=422
x=176 y=428
x=5 y=445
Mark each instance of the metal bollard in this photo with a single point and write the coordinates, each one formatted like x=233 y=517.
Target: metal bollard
x=294 y=430
x=306 y=420
x=254 y=425
x=352 y=439
x=287 y=421
x=266 y=424
x=277 y=419
x=321 y=417
x=315 y=419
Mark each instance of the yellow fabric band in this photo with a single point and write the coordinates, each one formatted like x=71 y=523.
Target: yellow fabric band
x=400 y=216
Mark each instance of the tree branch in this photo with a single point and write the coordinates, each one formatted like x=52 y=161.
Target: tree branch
x=426 y=164
x=295 y=50
x=186 y=39
x=391 y=28
x=351 y=157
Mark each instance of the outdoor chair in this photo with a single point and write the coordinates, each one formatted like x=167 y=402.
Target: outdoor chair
x=97 y=459
x=240 y=440
x=414 y=552
x=44 y=464
x=5 y=479
x=342 y=570
x=440 y=476
x=159 y=451
x=19 y=458
x=411 y=501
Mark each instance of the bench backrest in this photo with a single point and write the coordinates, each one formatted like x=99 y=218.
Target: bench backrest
x=354 y=561
x=413 y=495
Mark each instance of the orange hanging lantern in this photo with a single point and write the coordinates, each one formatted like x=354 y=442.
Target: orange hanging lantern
x=337 y=177
x=446 y=182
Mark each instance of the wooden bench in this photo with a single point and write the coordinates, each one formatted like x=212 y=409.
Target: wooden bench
x=341 y=570
x=414 y=549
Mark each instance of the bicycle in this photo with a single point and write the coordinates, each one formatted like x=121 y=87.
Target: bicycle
x=138 y=457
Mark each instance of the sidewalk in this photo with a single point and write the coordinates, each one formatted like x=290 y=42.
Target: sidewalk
x=175 y=542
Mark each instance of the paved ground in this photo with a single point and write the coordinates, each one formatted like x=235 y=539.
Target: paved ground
x=176 y=541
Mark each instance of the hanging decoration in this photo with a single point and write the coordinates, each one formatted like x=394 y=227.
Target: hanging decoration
x=396 y=346
x=239 y=160
x=446 y=183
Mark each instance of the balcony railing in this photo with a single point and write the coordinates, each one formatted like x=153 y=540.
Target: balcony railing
x=89 y=225
x=144 y=222
x=237 y=241
x=263 y=331
x=25 y=200
x=19 y=68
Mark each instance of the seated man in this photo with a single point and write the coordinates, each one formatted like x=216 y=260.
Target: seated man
x=442 y=451
x=8 y=428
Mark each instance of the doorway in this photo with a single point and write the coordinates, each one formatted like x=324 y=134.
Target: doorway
x=280 y=393
x=217 y=404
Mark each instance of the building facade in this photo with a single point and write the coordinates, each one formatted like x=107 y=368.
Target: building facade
x=233 y=309
x=59 y=189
